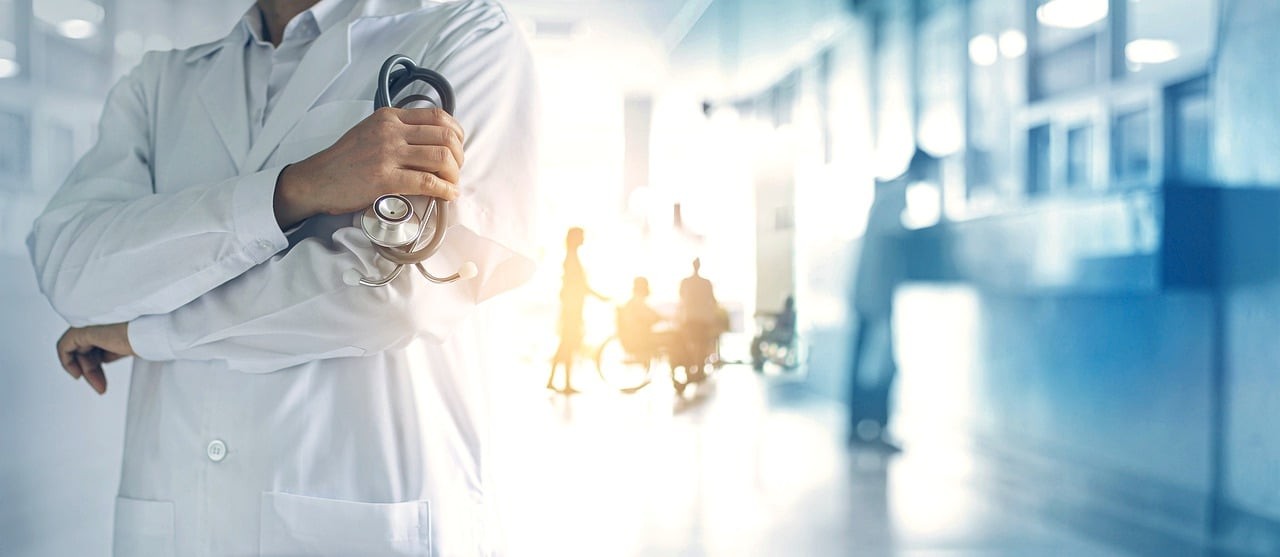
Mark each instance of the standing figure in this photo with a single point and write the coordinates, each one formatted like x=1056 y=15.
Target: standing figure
x=698 y=317
x=573 y=296
x=882 y=266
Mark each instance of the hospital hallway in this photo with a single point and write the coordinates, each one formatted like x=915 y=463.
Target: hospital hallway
x=1010 y=270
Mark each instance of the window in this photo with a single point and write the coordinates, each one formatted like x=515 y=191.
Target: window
x=1039 y=160
x=1189 y=117
x=1131 y=146
x=1080 y=156
x=15 y=150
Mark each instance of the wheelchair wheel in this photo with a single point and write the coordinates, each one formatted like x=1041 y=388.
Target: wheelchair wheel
x=618 y=369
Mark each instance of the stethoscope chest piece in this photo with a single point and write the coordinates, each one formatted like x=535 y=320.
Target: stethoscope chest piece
x=391 y=223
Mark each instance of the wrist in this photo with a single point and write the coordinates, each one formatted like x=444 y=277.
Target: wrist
x=113 y=338
x=290 y=202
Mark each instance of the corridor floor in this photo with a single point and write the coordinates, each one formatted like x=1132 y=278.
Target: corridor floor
x=750 y=466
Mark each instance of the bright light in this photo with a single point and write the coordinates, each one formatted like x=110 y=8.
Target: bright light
x=1071 y=14
x=983 y=50
x=1151 y=51
x=724 y=116
x=641 y=202
x=9 y=68
x=1013 y=43
x=924 y=206
x=77 y=29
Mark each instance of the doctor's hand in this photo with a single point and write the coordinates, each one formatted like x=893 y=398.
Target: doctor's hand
x=83 y=350
x=410 y=151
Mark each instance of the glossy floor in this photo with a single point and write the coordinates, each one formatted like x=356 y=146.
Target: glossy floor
x=750 y=466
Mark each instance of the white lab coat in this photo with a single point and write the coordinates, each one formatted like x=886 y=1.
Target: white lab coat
x=274 y=409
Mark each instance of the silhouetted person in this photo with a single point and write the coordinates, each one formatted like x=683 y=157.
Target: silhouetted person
x=881 y=268
x=698 y=316
x=573 y=296
x=636 y=322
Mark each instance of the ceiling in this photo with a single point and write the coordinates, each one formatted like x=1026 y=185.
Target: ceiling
x=648 y=17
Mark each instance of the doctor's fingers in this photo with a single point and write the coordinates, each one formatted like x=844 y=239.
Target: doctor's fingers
x=431 y=158
x=69 y=364
x=91 y=363
x=436 y=135
x=416 y=182
x=69 y=344
x=429 y=117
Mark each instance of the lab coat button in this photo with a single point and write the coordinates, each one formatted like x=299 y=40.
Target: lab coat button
x=217 y=450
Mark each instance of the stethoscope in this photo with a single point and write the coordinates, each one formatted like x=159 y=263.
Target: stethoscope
x=391 y=223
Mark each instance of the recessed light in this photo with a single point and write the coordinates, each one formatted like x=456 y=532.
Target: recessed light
x=1071 y=14
x=9 y=68
x=1151 y=51
x=77 y=28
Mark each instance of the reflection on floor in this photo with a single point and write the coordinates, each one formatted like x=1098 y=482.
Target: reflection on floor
x=752 y=466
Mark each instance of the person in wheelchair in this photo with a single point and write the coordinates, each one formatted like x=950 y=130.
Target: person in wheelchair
x=637 y=322
x=782 y=332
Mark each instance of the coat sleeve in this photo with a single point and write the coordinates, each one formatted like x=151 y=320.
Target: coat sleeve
x=108 y=248
x=296 y=307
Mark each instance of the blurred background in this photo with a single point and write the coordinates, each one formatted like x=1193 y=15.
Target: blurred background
x=1033 y=245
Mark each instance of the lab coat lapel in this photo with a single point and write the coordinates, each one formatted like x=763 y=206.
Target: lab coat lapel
x=223 y=97
x=330 y=54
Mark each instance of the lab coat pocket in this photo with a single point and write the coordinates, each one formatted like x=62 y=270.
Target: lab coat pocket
x=143 y=528
x=298 y=525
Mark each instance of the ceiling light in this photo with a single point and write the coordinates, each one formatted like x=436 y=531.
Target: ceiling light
x=1071 y=14
x=983 y=50
x=1151 y=51
x=1013 y=43
x=9 y=68
x=77 y=29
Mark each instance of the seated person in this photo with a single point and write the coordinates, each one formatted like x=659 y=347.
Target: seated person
x=784 y=323
x=780 y=333
x=636 y=321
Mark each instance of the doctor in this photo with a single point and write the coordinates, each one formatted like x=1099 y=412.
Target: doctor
x=275 y=409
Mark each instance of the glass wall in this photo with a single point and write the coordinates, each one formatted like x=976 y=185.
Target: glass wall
x=1063 y=97
x=996 y=85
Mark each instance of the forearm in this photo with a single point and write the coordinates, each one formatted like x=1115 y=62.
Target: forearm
x=297 y=308
x=107 y=261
